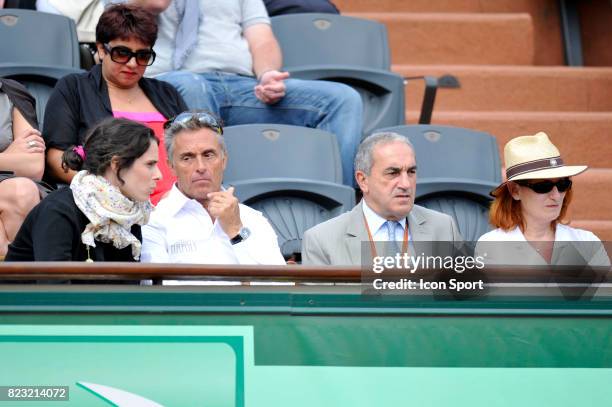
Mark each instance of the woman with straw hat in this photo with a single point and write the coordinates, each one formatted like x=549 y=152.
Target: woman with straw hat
x=530 y=206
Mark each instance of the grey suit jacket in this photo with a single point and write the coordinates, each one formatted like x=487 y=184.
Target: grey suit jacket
x=338 y=241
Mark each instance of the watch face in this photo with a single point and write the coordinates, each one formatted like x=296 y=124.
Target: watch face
x=244 y=233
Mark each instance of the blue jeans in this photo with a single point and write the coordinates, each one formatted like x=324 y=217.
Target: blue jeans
x=329 y=106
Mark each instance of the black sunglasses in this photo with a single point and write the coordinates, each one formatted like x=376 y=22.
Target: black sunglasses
x=204 y=118
x=122 y=55
x=545 y=187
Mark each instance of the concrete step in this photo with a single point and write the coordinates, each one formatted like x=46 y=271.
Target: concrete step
x=516 y=88
x=603 y=229
x=458 y=38
x=591 y=198
x=582 y=138
x=447 y=6
x=544 y=13
x=456 y=6
x=595 y=17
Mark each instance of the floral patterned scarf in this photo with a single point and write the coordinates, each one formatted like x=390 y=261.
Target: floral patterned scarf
x=111 y=214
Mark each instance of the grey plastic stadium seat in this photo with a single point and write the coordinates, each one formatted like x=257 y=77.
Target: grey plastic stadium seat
x=347 y=50
x=278 y=150
x=457 y=168
x=291 y=174
x=317 y=38
x=30 y=37
x=471 y=215
x=39 y=80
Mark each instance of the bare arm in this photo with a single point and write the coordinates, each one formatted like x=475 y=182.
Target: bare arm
x=155 y=6
x=267 y=60
x=264 y=49
x=54 y=164
x=25 y=156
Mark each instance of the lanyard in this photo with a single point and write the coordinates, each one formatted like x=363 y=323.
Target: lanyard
x=373 y=246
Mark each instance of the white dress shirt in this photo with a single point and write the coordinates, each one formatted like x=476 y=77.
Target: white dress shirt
x=180 y=230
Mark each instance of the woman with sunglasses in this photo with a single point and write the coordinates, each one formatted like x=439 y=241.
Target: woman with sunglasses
x=531 y=207
x=125 y=36
x=97 y=218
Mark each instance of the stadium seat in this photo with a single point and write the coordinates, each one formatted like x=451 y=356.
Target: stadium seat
x=291 y=174
x=39 y=80
x=457 y=168
x=274 y=150
x=344 y=49
x=315 y=39
x=87 y=56
x=30 y=37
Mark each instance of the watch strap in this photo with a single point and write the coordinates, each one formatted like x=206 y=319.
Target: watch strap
x=236 y=239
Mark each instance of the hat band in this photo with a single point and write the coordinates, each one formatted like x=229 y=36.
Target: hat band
x=532 y=166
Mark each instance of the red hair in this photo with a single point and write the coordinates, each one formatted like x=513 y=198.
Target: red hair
x=505 y=211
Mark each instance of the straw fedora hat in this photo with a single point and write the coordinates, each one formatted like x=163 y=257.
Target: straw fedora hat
x=535 y=157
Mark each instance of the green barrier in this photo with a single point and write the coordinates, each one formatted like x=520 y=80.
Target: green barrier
x=304 y=346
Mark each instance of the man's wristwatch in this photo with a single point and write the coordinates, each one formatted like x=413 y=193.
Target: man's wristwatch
x=242 y=235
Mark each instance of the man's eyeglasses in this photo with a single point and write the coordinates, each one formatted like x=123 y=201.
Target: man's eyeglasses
x=122 y=55
x=204 y=118
x=545 y=187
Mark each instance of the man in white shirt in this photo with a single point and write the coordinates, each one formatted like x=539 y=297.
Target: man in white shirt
x=385 y=169
x=199 y=221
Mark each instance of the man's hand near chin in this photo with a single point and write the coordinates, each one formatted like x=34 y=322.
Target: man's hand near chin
x=271 y=87
x=224 y=207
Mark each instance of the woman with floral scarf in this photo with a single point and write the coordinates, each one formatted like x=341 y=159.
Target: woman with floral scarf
x=98 y=218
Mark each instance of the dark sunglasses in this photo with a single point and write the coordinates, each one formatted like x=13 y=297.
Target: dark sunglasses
x=122 y=55
x=545 y=187
x=204 y=118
